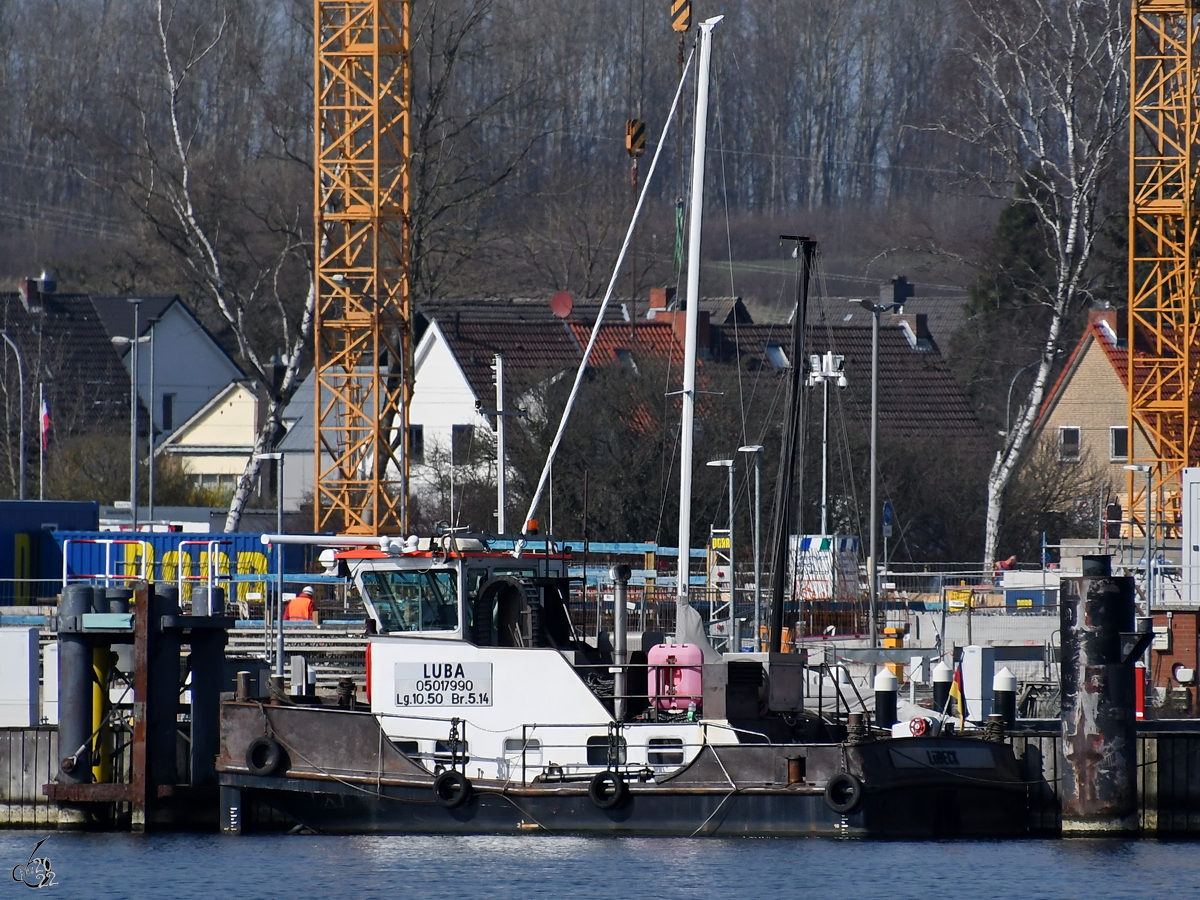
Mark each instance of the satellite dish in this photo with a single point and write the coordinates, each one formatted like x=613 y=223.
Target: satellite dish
x=561 y=304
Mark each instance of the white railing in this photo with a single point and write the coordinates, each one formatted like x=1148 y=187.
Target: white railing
x=108 y=575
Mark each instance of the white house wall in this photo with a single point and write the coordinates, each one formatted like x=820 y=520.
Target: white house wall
x=219 y=442
x=442 y=396
x=186 y=363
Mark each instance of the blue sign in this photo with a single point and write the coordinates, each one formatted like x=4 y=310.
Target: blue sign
x=887 y=518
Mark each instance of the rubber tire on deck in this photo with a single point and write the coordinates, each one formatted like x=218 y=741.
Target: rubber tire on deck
x=264 y=757
x=844 y=793
x=607 y=789
x=452 y=789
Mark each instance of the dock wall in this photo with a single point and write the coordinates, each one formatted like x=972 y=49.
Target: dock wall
x=28 y=760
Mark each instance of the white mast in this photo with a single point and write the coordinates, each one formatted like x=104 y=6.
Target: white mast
x=693 y=307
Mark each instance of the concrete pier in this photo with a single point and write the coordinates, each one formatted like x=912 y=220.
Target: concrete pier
x=1098 y=753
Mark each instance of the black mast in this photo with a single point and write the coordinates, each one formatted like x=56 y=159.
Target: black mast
x=806 y=247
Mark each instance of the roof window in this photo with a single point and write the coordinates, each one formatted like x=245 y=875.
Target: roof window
x=776 y=356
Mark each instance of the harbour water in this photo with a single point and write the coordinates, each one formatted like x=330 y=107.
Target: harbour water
x=518 y=868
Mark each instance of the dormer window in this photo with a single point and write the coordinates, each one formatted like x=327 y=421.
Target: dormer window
x=776 y=357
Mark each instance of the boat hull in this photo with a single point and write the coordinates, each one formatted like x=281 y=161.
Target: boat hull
x=338 y=773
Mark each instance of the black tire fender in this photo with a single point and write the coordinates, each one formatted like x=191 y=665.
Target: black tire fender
x=843 y=793
x=264 y=757
x=452 y=789
x=607 y=789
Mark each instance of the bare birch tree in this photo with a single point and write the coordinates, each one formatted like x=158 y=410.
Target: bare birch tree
x=251 y=255
x=1048 y=100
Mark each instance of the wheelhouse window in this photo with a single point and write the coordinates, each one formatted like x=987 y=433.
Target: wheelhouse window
x=1068 y=442
x=1118 y=442
x=410 y=600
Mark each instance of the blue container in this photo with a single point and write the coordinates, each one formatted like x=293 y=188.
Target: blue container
x=30 y=558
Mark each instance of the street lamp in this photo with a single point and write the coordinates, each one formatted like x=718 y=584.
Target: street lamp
x=728 y=463
x=1149 y=470
x=278 y=457
x=133 y=342
x=872 y=576
x=822 y=370
x=757 y=450
x=20 y=410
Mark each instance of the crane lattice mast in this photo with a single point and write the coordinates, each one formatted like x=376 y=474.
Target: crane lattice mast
x=1162 y=376
x=363 y=355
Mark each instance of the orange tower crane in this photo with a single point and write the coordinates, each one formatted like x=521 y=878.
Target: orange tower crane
x=363 y=355
x=1163 y=231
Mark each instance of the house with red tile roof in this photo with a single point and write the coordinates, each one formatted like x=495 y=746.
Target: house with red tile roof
x=455 y=354
x=1086 y=411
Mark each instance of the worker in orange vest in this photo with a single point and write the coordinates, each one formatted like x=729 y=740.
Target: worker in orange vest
x=300 y=607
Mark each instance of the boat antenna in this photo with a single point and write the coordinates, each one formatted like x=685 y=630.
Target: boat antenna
x=804 y=250
x=687 y=426
x=587 y=353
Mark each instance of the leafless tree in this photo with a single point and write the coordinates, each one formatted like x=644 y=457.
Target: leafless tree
x=249 y=252
x=1048 y=100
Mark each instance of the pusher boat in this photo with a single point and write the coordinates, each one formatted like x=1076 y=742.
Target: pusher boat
x=487 y=713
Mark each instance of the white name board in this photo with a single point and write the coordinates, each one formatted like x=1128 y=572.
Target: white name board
x=444 y=684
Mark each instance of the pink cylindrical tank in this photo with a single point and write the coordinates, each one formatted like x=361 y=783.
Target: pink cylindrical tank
x=675 y=676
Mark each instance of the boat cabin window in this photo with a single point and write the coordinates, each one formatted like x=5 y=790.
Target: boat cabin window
x=532 y=748
x=597 y=751
x=410 y=600
x=441 y=752
x=665 y=752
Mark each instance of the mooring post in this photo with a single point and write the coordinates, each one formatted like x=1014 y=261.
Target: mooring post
x=1098 y=753
x=942 y=676
x=162 y=702
x=887 y=686
x=74 y=699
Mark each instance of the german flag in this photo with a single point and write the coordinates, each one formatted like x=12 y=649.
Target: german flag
x=956 y=691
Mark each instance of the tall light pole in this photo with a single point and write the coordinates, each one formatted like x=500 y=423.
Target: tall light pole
x=728 y=464
x=133 y=342
x=822 y=370
x=501 y=475
x=872 y=574
x=1149 y=470
x=278 y=457
x=20 y=410
x=150 y=440
x=500 y=447
x=757 y=450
